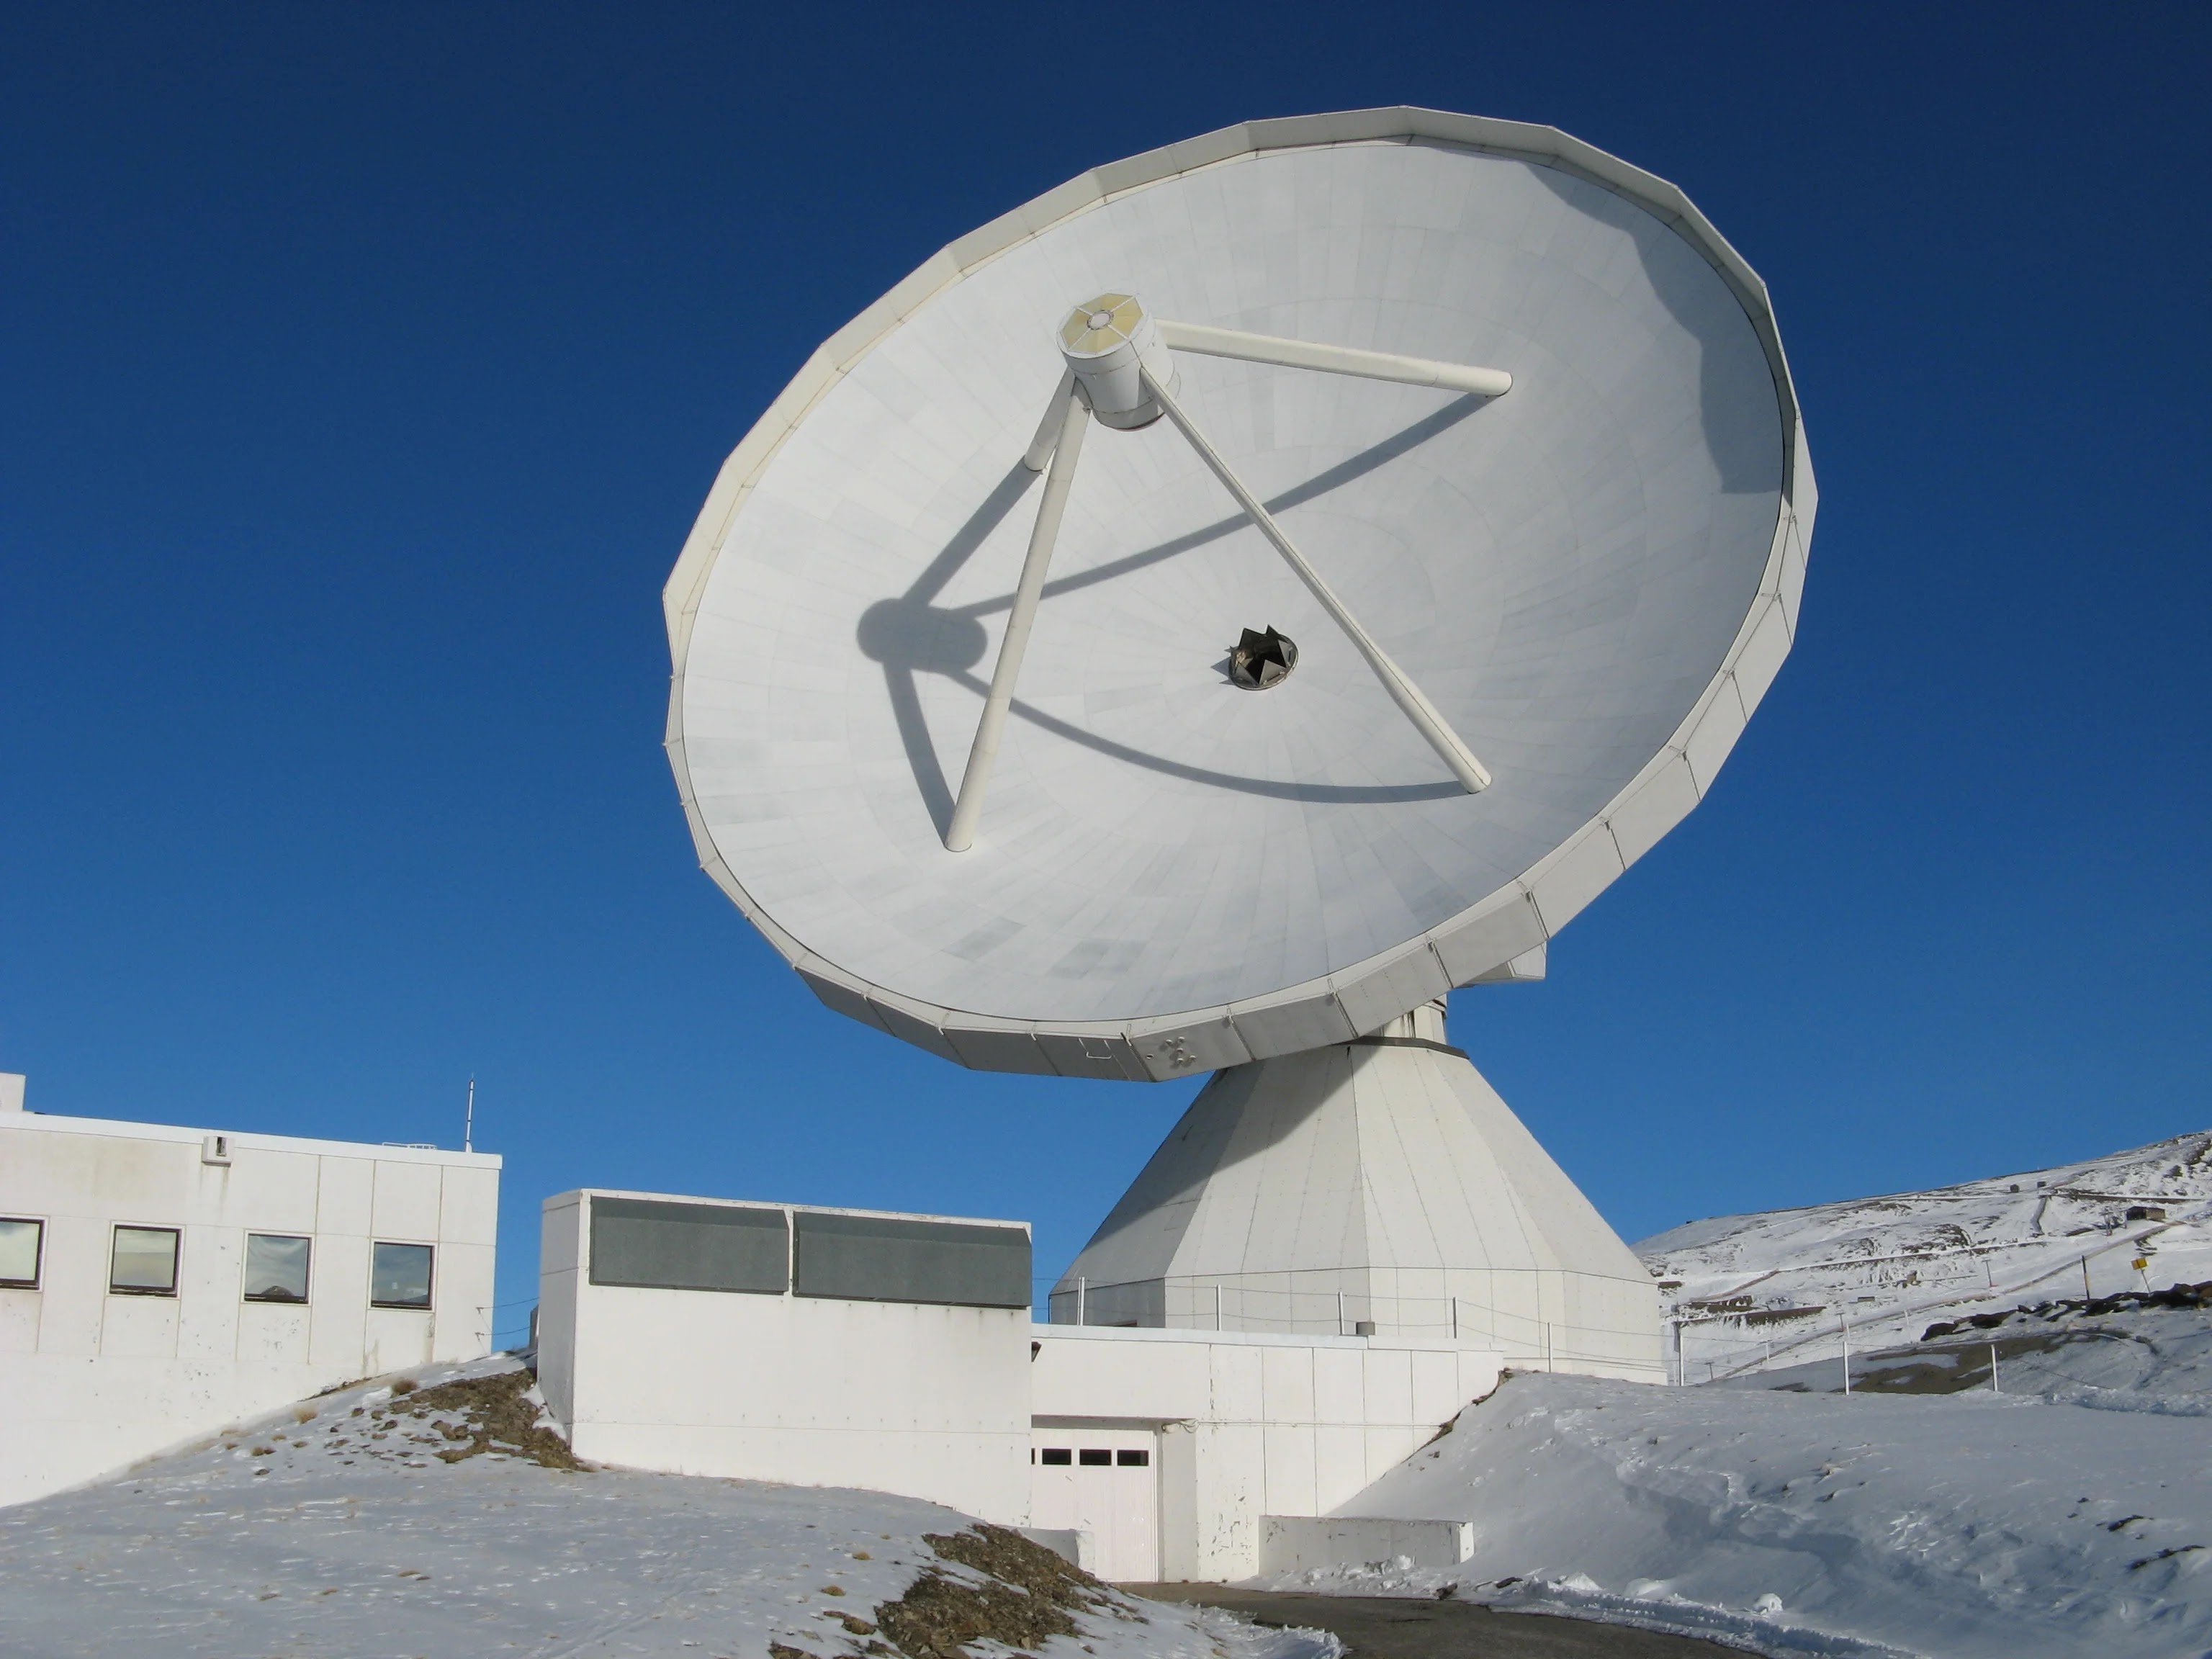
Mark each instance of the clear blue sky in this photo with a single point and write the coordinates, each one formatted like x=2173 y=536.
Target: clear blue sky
x=363 y=368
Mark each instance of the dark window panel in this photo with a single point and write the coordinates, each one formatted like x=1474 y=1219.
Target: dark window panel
x=276 y=1267
x=144 y=1261
x=881 y=1259
x=648 y=1244
x=23 y=1242
x=399 y=1276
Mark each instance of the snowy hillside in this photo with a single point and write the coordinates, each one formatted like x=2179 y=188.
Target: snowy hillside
x=1790 y=1286
x=438 y=1522
x=1970 y=1525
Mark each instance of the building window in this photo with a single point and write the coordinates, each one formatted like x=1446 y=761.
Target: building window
x=276 y=1267
x=1056 y=1456
x=1097 y=1458
x=1132 y=1459
x=399 y=1276
x=22 y=1243
x=144 y=1263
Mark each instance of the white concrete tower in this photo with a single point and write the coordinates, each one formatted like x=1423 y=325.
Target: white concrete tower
x=1377 y=1186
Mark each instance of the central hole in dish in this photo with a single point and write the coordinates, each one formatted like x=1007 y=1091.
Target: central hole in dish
x=1262 y=658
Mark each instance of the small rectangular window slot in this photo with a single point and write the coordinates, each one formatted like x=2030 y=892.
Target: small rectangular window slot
x=23 y=1242
x=1056 y=1456
x=1095 y=1458
x=143 y=1261
x=215 y=1149
x=1133 y=1460
x=277 y=1268
x=399 y=1275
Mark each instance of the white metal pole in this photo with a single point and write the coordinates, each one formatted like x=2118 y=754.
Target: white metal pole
x=1048 y=433
x=1217 y=1307
x=1080 y=1284
x=1455 y=1311
x=1339 y=1313
x=1846 y=1324
x=468 y=1122
x=1994 y=1389
x=960 y=835
x=1416 y=707
x=1209 y=342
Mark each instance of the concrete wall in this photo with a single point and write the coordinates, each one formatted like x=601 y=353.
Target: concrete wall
x=1255 y=1424
x=1301 y=1543
x=91 y=1380
x=923 y=1400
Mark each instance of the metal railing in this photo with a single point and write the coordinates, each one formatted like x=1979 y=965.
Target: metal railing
x=1529 y=1314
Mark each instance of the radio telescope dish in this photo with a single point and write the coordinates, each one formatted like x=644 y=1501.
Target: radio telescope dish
x=1444 y=519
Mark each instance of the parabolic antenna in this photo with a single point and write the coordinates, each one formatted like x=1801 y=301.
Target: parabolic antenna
x=1568 y=594
x=1203 y=616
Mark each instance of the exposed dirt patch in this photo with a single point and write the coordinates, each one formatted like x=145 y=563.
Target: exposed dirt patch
x=1027 y=1594
x=495 y=1415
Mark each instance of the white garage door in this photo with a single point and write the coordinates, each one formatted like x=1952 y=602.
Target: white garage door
x=1104 y=1482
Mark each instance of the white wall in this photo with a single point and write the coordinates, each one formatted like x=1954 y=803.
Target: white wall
x=91 y=1380
x=1252 y=1424
x=923 y=1399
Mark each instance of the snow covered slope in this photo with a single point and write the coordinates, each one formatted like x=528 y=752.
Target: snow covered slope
x=1790 y=1286
x=422 y=1523
x=1966 y=1526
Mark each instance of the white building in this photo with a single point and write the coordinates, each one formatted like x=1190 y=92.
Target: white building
x=839 y=1347
x=821 y=1348
x=156 y=1283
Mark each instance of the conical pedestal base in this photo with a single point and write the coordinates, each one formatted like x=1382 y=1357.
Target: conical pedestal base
x=1375 y=1188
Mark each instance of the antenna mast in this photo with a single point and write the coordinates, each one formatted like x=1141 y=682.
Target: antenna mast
x=469 y=1123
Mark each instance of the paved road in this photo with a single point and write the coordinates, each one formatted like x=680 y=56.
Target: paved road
x=1391 y=1627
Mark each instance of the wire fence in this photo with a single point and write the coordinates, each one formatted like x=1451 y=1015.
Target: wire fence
x=1717 y=1343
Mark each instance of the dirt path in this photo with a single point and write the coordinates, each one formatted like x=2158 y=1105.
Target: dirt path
x=1391 y=1627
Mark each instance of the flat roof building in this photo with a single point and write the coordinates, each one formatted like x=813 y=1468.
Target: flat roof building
x=158 y=1282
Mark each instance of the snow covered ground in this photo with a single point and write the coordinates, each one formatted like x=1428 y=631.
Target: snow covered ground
x=2020 y=1470
x=1971 y=1525
x=1790 y=1286
x=351 y=1526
